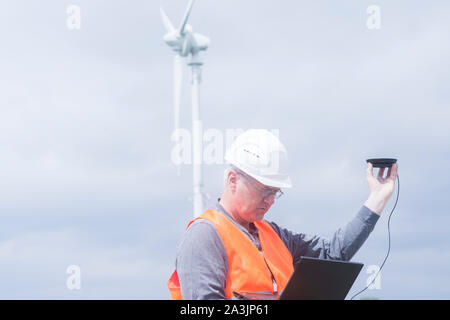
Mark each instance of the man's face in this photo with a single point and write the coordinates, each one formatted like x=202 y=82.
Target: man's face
x=252 y=198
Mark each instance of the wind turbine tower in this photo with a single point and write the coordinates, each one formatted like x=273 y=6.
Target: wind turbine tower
x=187 y=44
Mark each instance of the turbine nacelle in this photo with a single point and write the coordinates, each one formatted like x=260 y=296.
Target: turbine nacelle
x=189 y=43
x=186 y=43
x=183 y=40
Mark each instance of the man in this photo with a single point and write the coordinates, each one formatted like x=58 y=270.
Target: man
x=231 y=248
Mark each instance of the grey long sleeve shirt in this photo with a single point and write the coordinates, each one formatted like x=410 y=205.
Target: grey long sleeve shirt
x=202 y=263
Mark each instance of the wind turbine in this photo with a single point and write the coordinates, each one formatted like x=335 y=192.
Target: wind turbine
x=185 y=43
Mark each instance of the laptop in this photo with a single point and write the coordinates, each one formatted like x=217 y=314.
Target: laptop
x=314 y=279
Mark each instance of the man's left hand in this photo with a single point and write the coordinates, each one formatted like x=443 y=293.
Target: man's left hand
x=381 y=189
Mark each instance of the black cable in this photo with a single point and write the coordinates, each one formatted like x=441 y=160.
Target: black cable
x=389 y=238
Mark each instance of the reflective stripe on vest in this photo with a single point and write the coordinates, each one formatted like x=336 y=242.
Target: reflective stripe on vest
x=247 y=268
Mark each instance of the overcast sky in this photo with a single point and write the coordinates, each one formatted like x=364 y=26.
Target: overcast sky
x=86 y=116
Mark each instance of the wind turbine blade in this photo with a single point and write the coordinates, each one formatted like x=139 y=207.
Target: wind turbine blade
x=186 y=16
x=167 y=24
x=178 y=76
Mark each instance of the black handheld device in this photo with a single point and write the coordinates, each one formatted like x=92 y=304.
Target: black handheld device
x=382 y=162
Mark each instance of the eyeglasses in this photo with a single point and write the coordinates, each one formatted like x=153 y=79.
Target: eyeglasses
x=264 y=191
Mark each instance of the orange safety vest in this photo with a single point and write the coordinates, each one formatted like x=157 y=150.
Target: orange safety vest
x=248 y=270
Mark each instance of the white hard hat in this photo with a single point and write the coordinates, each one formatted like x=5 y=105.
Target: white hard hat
x=261 y=155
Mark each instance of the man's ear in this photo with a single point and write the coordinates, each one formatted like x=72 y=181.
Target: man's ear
x=232 y=180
